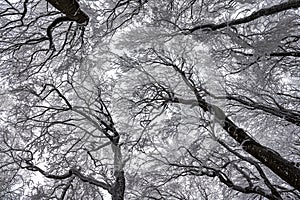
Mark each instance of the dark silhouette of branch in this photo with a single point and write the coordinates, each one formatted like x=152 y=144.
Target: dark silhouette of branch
x=270 y=158
x=52 y=26
x=71 y=9
x=73 y=13
x=212 y=172
x=69 y=174
x=281 y=112
x=273 y=54
x=255 y=15
x=273 y=160
x=257 y=166
x=54 y=88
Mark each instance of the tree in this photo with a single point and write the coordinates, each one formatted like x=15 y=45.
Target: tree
x=150 y=99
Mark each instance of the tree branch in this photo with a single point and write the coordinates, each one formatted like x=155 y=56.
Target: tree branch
x=255 y=15
x=270 y=158
x=273 y=160
x=71 y=9
x=51 y=27
x=68 y=174
x=273 y=54
x=211 y=172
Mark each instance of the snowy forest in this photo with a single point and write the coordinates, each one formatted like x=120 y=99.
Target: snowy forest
x=149 y=99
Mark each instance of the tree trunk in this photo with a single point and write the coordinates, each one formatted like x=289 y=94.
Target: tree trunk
x=270 y=158
x=71 y=9
x=118 y=189
x=280 y=166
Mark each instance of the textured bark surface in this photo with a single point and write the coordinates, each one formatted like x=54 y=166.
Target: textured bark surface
x=118 y=189
x=270 y=158
x=71 y=9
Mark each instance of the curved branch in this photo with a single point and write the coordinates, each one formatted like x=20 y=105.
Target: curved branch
x=258 y=168
x=71 y=9
x=68 y=174
x=24 y=11
x=288 y=115
x=270 y=158
x=291 y=4
x=51 y=27
x=282 y=113
x=54 y=88
x=211 y=172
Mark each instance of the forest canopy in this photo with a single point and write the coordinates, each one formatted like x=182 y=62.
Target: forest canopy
x=148 y=99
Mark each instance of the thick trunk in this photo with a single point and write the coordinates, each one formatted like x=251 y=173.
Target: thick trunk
x=280 y=166
x=71 y=9
x=270 y=158
x=118 y=189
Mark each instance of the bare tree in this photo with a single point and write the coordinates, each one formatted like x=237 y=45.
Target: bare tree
x=183 y=99
x=67 y=125
x=161 y=89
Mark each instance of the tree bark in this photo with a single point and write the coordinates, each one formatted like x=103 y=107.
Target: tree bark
x=71 y=9
x=255 y=15
x=270 y=158
x=118 y=188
